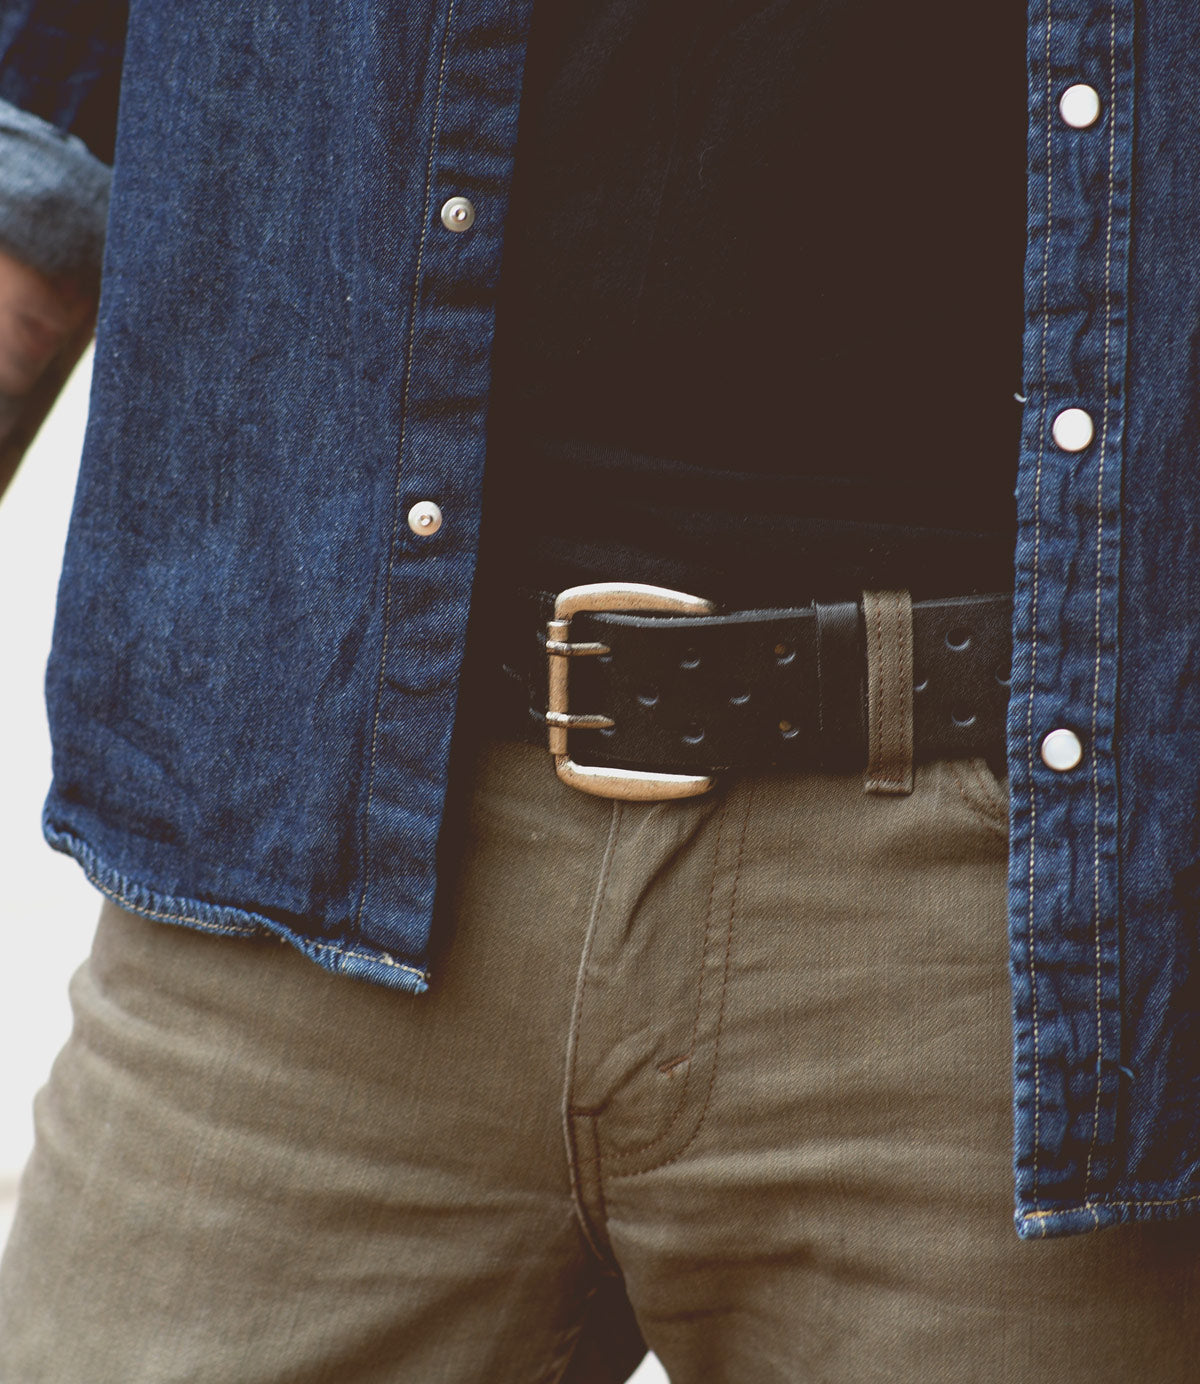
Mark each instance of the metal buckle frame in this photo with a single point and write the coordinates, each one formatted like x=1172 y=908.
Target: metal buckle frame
x=637 y=785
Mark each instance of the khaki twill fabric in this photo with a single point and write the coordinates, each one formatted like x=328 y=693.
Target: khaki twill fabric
x=729 y=1074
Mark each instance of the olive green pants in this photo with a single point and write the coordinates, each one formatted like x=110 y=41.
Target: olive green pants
x=728 y=1077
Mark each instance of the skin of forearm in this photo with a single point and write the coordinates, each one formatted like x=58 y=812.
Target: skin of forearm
x=37 y=316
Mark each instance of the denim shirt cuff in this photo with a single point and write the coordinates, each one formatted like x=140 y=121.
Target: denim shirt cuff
x=53 y=198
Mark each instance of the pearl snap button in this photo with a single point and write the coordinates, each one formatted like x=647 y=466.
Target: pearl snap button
x=1061 y=750
x=458 y=214
x=424 y=518
x=1073 y=429
x=1079 y=106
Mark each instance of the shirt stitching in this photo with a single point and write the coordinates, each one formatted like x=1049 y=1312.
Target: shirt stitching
x=408 y=356
x=244 y=930
x=163 y=916
x=1093 y=1207
x=1033 y=642
x=1112 y=126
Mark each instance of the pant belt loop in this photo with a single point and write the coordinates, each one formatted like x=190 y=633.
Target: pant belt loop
x=887 y=620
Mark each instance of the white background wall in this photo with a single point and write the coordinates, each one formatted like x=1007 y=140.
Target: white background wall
x=47 y=908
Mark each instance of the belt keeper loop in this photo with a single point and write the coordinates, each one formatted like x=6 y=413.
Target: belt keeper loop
x=888 y=626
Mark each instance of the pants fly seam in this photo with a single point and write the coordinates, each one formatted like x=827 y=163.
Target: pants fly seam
x=712 y=1077
x=710 y=910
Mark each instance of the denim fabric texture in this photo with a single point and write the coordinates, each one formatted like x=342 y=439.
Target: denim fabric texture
x=1103 y=919
x=253 y=682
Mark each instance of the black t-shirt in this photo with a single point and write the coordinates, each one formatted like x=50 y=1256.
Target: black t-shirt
x=760 y=314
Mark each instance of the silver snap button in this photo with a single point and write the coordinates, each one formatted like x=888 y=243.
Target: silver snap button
x=1073 y=430
x=458 y=214
x=1061 y=750
x=425 y=518
x=1079 y=106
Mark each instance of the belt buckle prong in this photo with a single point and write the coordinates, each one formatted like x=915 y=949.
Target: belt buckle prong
x=637 y=785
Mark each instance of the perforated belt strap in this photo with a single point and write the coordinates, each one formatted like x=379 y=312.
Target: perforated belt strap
x=841 y=714
x=887 y=628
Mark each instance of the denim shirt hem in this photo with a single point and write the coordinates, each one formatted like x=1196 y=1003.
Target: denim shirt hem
x=355 y=960
x=1096 y=1215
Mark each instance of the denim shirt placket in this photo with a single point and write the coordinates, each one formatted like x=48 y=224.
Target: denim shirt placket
x=476 y=60
x=1064 y=899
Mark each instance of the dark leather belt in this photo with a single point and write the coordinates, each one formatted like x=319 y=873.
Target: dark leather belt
x=645 y=694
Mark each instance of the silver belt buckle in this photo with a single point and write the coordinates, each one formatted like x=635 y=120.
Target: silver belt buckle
x=636 y=785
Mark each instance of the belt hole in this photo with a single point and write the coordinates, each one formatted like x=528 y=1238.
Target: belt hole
x=1004 y=676
x=921 y=686
x=648 y=696
x=958 y=639
x=690 y=659
x=787 y=730
x=693 y=733
x=784 y=652
x=962 y=715
x=739 y=699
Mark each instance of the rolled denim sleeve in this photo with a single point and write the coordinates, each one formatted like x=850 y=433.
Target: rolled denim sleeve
x=60 y=75
x=53 y=198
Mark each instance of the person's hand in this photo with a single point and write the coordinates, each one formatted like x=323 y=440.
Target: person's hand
x=38 y=316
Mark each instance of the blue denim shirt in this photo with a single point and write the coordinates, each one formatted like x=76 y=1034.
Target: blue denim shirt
x=253 y=680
